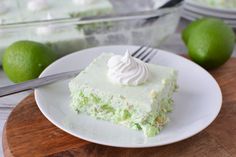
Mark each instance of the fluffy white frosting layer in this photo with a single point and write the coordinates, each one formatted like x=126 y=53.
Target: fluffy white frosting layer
x=37 y=5
x=126 y=70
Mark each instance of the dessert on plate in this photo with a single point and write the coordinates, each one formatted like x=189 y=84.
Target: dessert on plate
x=125 y=91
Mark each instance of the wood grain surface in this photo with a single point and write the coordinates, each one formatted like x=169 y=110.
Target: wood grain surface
x=28 y=133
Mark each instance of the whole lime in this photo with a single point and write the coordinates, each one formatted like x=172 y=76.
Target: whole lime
x=25 y=60
x=211 y=43
x=186 y=33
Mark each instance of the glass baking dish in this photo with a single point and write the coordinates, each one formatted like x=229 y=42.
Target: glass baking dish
x=60 y=26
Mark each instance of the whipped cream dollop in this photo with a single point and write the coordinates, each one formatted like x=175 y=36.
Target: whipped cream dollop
x=37 y=5
x=126 y=70
x=46 y=29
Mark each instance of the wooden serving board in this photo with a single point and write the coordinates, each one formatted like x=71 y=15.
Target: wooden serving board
x=28 y=133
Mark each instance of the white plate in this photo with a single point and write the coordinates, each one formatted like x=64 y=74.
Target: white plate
x=196 y=104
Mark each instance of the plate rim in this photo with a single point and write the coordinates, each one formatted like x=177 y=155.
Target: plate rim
x=36 y=91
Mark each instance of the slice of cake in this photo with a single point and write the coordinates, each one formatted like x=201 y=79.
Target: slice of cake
x=125 y=90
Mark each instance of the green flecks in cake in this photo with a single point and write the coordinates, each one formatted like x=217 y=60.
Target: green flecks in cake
x=95 y=98
x=125 y=114
x=142 y=108
x=83 y=99
x=150 y=130
x=166 y=105
x=135 y=126
x=121 y=115
x=107 y=108
x=150 y=123
x=87 y=100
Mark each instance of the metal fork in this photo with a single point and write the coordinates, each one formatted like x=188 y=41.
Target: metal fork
x=144 y=53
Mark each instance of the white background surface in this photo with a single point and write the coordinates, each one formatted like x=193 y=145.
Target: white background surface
x=173 y=44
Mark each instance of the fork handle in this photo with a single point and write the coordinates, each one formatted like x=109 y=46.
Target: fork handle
x=32 y=84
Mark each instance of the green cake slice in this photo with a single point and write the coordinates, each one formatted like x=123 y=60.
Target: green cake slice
x=142 y=107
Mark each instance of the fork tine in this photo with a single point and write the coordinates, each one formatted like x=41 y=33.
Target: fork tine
x=135 y=52
x=145 y=49
x=140 y=49
x=146 y=54
x=150 y=56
